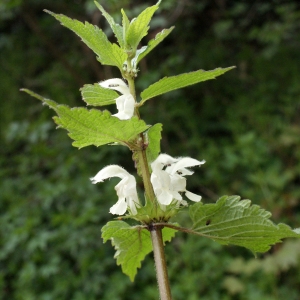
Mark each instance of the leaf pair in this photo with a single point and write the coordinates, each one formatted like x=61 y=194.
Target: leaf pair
x=228 y=221
x=93 y=127
x=129 y=36
x=96 y=95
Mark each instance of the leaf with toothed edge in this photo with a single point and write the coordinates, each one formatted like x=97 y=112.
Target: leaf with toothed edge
x=132 y=244
x=95 y=39
x=138 y=27
x=116 y=28
x=172 y=83
x=96 y=95
x=93 y=127
x=154 y=42
x=234 y=221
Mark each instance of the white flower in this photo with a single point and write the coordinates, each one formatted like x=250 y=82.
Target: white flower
x=168 y=179
x=126 y=189
x=125 y=103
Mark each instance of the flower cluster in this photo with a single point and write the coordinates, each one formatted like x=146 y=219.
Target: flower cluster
x=168 y=179
x=125 y=103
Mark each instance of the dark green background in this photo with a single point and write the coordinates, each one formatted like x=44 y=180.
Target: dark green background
x=245 y=124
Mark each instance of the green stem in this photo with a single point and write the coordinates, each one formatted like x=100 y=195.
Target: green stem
x=160 y=263
x=156 y=231
x=145 y=172
x=142 y=157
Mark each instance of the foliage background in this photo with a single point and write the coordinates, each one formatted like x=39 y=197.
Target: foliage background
x=245 y=124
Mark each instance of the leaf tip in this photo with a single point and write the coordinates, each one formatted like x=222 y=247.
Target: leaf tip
x=48 y=12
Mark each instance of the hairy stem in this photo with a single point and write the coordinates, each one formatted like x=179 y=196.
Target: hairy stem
x=156 y=231
x=142 y=158
x=160 y=263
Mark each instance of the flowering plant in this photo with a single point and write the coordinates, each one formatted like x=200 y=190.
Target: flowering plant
x=228 y=221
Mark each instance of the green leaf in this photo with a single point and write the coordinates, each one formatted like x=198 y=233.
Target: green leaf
x=116 y=28
x=132 y=244
x=95 y=39
x=154 y=42
x=96 y=95
x=93 y=127
x=125 y=23
x=154 y=136
x=231 y=221
x=168 y=84
x=138 y=27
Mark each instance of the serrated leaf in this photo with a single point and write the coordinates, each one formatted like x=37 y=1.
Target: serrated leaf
x=132 y=244
x=154 y=42
x=231 y=221
x=96 y=95
x=93 y=127
x=154 y=136
x=116 y=28
x=168 y=84
x=138 y=27
x=95 y=39
x=125 y=23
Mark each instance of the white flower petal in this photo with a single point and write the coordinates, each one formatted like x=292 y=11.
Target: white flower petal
x=125 y=106
x=178 y=183
x=185 y=172
x=183 y=163
x=193 y=196
x=108 y=172
x=126 y=189
x=116 y=84
x=161 y=161
x=165 y=197
x=176 y=195
x=169 y=182
x=184 y=203
x=133 y=203
x=119 y=208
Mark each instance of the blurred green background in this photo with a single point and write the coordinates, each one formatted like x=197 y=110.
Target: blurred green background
x=245 y=124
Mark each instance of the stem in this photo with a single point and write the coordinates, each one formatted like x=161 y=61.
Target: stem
x=146 y=175
x=160 y=263
x=142 y=158
x=155 y=231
